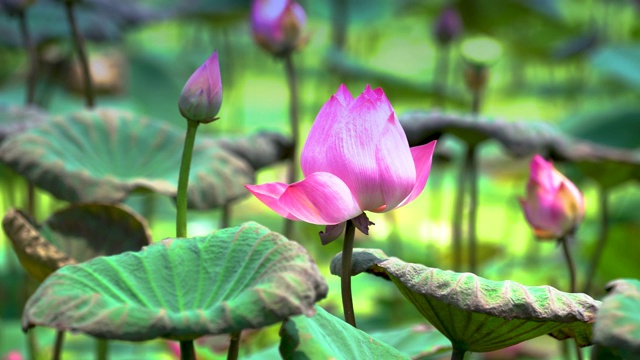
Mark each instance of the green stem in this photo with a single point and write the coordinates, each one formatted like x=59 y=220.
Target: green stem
x=441 y=76
x=339 y=14
x=345 y=274
x=294 y=123
x=82 y=56
x=57 y=348
x=603 y=195
x=102 y=349
x=31 y=52
x=234 y=346
x=31 y=199
x=183 y=179
x=472 y=175
x=187 y=351
x=567 y=256
x=458 y=214
x=32 y=345
x=457 y=354
x=578 y=351
x=226 y=216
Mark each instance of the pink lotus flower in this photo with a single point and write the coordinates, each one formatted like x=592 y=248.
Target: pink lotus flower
x=201 y=96
x=277 y=25
x=356 y=159
x=554 y=206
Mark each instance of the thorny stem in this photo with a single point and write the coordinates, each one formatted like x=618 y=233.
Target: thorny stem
x=603 y=195
x=294 y=122
x=472 y=174
x=187 y=351
x=183 y=179
x=234 y=346
x=82 y=56
x=57 y=348
x=345 y=274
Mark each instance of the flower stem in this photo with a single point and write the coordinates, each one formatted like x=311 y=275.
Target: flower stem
x=183 y=179
x=187 y=351
x=102 y=349
x=82 y=56
x=441 y=76
x=457 y=354
x=345 y=274
x=234 y=346
x=57 y=347
x=31 y=53
x=567 y=256
x=226 y=216
x=339 y=15
x=472 y=178
x=294 y=123
x=603 y=196
x=458 y=215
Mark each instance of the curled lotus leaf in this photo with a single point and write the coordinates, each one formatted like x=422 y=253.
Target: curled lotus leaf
x=74 y=234
x=477 y=314
x=618 y=322
x=259 y=150
x=105 y=155
x=16 y=119
x=324 y=336
x=182 y=288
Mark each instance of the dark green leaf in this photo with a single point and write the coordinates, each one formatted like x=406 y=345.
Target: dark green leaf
x=618 y=323
x=480 y=315
x=619 y=62
x=105 y=155
x=417 y=341
x=74 y=234
x=232 y=279
x=324 y=336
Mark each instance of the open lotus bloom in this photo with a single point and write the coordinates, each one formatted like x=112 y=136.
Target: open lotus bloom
x=554 y=206
x=277 y=25
x=356 y=159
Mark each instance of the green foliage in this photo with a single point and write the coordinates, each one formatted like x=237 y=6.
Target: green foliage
x=477 y=314
x=618 y=322
x=419 y=341
x=232 y=279
x=324 y=336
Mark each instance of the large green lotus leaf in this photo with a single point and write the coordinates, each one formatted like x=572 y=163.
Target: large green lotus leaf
x=105 y=155
x=419 y=341
x=324 y=336
x=259 y=150
x=615 y=127
x=15 y=119
x=618 y=323
x=74 y=234
x=477 y=314
x=233 y=279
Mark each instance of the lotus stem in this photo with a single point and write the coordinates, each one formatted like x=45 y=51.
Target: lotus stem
x=458 y=214
x=234 y=346
x=441 y=76
x=187 y=350
x=82 y=56
x=102 y=349
x=345 y=274
x=567 y=256
x=457 y=354
x=603 y=196
x=472 y=175
x=476 y=100
x=226 y=216
x=339 y=12
x=32 y=345
x=294 y=122
x=57 y=347
x=31 y=53
x=183 y=179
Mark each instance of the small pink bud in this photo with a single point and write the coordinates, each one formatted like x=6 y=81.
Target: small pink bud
x=201 y=96
x=277 y=25
x=448 y=26
x=13 y=355
x=554 y=206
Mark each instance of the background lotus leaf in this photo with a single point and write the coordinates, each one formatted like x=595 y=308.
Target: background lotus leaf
x=233 y=279
x=324 y=336
x=618 y=323
x=105 y=155
x=481 y=315
x=15 y=119
x=419 y=341
x=74 y=234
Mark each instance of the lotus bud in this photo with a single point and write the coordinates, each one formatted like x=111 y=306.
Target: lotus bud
x=201 y=96
x=554 y=206
x=277 y=25
x=448 y=26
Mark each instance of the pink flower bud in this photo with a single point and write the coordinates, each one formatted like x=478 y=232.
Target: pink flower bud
x=201 y=96
x=13 y=355
x=554 y=206
x=277 y=25
x=448 y=26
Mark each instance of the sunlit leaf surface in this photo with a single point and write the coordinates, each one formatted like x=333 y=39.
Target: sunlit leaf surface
x=477 y=314
x=325 y=336
x=232 y=279
x=618 y=323
x=105 y=155
x=74 y=234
